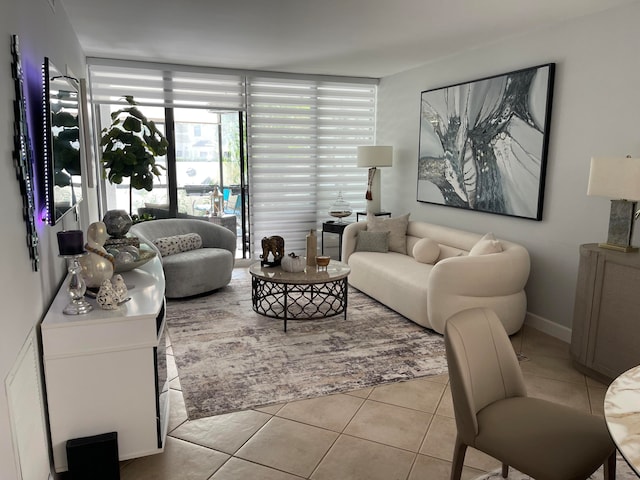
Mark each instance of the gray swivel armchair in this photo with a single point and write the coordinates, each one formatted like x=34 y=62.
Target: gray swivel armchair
x=196 y=271
x=493 y=413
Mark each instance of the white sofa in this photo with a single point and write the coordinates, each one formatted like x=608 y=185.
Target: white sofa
x=429 y=294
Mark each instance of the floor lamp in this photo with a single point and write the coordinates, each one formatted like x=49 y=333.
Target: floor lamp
x=374 y=156
x=618 y=179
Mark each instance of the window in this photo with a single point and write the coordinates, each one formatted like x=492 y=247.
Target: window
x=301 y=132
x=302 y=138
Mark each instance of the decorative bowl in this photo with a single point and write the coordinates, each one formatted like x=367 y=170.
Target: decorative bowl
x=144 y=257
x=323 y=260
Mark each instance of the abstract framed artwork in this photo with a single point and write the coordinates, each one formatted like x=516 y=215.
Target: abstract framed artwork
x=483 y=144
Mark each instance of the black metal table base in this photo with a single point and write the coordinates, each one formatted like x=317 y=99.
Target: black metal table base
x=299 y=301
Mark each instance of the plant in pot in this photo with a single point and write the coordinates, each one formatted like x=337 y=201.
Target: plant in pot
x=130 y=147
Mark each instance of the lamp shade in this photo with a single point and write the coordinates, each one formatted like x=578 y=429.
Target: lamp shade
x=617 y=178
x=375 y=156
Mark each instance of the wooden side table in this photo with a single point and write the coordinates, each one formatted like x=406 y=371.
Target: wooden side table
x=379 y=214
x=228 y=221
x=332 y=226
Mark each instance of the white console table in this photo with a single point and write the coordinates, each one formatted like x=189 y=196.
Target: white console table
x=105 y=371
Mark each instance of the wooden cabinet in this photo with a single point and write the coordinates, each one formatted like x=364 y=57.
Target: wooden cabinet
x=105 y=371
x=606 y=320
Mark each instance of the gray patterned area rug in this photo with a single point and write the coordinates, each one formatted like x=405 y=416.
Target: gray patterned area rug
x=623 y=472
x=230 y=358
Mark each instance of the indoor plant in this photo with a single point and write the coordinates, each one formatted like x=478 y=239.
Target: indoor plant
x=130 y=147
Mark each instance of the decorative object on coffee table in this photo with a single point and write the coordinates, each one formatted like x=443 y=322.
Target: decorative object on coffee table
x=322 y=261
x=272 y=251
x=293 y=263
x=312 y=248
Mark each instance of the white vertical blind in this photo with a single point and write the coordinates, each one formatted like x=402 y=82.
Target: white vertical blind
x=302 y=137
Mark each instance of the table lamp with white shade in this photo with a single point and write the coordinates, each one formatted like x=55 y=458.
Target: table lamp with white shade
x=618 y=179
x=374 y=156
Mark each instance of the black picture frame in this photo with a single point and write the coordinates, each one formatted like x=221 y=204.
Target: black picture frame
x=483 y=144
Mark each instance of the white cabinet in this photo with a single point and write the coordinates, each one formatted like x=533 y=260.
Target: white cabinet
x=105 y=371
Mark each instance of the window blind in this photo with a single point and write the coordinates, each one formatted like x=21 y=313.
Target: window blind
x=302 y=133
x=162 y=85
x=302 y=137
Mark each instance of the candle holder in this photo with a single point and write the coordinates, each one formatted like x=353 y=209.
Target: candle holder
x=76 y=287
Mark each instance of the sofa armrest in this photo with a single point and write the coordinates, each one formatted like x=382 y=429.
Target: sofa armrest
x=495 y=281
x=349 y=237
x=217 y=236
x=501 y=273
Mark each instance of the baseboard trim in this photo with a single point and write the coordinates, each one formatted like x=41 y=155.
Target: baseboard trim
x=548 y=327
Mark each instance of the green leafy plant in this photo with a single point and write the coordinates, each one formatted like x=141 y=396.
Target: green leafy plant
x=130 y=147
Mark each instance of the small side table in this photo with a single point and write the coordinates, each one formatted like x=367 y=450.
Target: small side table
x=228 y=221
x=332 y=226
x=379 y=214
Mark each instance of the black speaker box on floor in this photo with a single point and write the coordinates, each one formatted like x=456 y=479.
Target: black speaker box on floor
x=94 y=458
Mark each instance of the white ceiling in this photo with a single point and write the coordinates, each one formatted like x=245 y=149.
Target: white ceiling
x=370 y=38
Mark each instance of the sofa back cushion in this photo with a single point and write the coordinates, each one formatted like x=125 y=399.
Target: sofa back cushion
x=397 y=228
x=452 y=242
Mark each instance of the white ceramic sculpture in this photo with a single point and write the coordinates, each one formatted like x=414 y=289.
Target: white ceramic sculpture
x=107 y=297
x=293 y=263
x=120 y=287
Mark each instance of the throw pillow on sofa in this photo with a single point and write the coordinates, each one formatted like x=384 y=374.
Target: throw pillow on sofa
x=487 y=244
x=372 y=241
x=426 y=250
x=397 y=228
x=178 y=243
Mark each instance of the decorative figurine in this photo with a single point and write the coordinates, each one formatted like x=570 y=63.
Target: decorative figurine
x=107 y=297
x=120 y=287
x=293 y=263
x=272 y=246
x=98 y=265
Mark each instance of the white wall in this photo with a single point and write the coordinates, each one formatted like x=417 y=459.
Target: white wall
x=596 y=112
x=25 y=295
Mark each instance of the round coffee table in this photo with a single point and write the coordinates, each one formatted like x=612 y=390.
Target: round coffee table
x=314 y=293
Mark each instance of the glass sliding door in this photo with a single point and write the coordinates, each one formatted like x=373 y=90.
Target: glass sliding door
x=198 y=153
x=205 y=157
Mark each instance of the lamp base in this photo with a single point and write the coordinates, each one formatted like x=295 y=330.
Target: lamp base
x=618 y=248
x=620 y=226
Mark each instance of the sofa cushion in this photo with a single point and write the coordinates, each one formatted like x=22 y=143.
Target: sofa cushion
x=487 y=244
x=397 y=228
x=178 y=243
x=426 y=250
x=372 y=241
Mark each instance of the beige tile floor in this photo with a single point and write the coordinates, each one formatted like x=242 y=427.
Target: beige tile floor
x=400 y=431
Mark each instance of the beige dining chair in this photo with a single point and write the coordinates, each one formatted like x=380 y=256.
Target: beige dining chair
x=493 y=413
